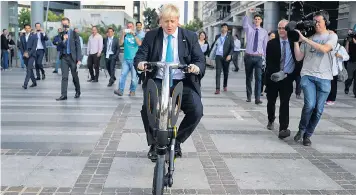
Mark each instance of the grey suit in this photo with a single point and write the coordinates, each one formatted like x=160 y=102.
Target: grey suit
x=69 y=60
x=111 y=61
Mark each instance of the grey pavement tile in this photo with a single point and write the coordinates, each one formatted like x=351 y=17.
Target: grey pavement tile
x=349 y=165
x=15 y=169
x=289 y=174
x=238 y=123
x=57 y=171
x=250 y=144
x=341 y=144
x=136 y=172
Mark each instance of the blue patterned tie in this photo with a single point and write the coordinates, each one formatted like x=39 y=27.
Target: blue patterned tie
x=255 y=41
x=169 y=56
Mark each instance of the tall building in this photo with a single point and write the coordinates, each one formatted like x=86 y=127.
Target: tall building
x=54 y=6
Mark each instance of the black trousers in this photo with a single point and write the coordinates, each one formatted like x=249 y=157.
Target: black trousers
x=221 y=64
x=110 y=66
x=29 y=70
x=191 y=106
x=38 y=63
x=68 y=63
x=298 y=88
x=333 y=91
x=351 y=79
x=94 y=61
x=285 y=89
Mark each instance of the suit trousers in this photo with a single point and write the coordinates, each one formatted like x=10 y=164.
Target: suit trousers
x=191 y=106
x=29 y=70
x=38 y=63
x=333 y=91
x=253 y=62
x=69 y=63
x=285 y=89
x=221 y=64
x=110 y=66
x=94 y=61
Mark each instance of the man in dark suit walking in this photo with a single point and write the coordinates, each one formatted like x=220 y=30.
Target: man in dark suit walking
x=173 y=44
x=41 y=51
x=28 y=44
x=224 y=51
x=111 y=52
x=71 y=56
x=281 y=70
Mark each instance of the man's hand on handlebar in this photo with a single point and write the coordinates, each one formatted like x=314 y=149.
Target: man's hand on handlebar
x=192 y=68
x=141 y=65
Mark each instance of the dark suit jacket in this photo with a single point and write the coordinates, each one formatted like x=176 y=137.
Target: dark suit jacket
x=114 y=47
x=228 y=45
x=273 y=58
x=23 y=43
x=43 y=40
x=74 y=44
x=31 y=45
x=4 y=43
x=189 y=52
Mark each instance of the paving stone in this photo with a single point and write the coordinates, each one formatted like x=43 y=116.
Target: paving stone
x=291 y=174
x=136 y=172
x=250 y=144
x=341 y=143
x=57 y=171
x=349 y=165
x=238 y=123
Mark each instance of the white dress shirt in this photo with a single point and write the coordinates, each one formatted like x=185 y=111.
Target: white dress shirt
x=177 y=74
x=39 y=41
x=109 y=47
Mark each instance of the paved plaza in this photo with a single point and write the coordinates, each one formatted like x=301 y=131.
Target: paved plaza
x=96 y=144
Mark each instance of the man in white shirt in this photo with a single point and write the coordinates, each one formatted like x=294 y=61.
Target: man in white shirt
x=95 y=47
x=40 y=51
x=235 y=56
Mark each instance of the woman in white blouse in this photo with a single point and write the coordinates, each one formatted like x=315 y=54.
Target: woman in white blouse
x=339 y=56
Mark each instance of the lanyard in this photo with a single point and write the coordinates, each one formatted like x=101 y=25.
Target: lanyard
x=222 y=40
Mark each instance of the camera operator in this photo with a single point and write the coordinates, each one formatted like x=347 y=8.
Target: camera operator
x=351 y=65
x=316 y=74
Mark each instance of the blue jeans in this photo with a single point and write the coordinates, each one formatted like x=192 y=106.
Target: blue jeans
x=127 y=66
x=5 y=59
x=315 y=91
x=21 y=58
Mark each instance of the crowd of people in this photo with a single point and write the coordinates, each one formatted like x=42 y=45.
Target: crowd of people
x=314 y=63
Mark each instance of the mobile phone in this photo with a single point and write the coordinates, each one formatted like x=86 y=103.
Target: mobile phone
x=127 y=30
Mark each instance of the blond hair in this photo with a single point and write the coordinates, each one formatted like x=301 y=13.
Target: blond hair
x=169 y=10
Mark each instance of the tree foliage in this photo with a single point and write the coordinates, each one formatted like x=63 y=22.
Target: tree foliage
x=52 y=17
x=194 y=25
x=24 y=17
x=102 y=28
x=151 y=18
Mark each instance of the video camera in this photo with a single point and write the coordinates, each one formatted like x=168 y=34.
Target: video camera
x=351 y=35
x=305 y=26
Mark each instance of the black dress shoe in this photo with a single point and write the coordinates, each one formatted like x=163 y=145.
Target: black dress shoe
x=61 y=98
x=95 y=81
x=38 y=78
x=152 y=155
x=258 y=102
x=306 y=141
x=298 y=136
x=90 y=80
x=77 y=95
x=284 y=134
x=33 y=85
x=43 y=77
x=178 y=150
x=110 y=84
x=24 y=87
